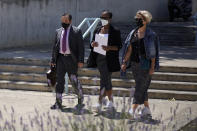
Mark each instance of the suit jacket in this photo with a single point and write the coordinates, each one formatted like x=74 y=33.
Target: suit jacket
x=112 y=57
x=75 y=43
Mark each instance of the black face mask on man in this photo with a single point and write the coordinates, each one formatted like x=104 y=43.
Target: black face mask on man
x=65 y=26
x=139 y=22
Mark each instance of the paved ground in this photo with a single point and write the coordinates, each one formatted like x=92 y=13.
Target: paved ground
x=179 y=56
x=31 y=110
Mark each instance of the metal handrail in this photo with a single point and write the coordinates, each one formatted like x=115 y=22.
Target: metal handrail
x=91 y=27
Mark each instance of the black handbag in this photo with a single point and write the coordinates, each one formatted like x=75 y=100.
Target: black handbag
x=51 y=76
x=91 y=62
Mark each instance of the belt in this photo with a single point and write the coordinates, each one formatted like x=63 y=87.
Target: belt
x=65 y=54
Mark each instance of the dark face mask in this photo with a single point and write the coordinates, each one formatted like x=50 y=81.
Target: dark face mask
x=65 y=26
x=139 y=22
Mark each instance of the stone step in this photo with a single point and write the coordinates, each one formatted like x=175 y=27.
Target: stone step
x=23 y=65
x=177 y=37
x=153 y=94
x=85 y=80
x=163 y=76
x=173 y=37
x=188 y=37
x=166 y=31
x=174 y=30
x=162 y=28
x=177 y=43
x=127 y=83
x=30 y=77
x=23 y=68
x=169 y=33
x=176 y=69
x=91 y=72
x=174 y=41
x=25 y=61
x=12 y=70
x=22 y=85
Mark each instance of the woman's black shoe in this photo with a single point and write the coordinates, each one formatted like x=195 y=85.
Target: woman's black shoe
x=57 y=105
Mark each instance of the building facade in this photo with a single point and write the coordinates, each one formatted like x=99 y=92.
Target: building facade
x=33 y=22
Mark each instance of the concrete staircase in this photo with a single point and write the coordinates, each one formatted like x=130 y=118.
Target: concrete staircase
x=28 y=72
x=179 y=83
x=170 y=33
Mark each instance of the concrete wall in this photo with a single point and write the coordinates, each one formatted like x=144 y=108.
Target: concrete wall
x=194 y=6
x=31 y=22
x=123 y=10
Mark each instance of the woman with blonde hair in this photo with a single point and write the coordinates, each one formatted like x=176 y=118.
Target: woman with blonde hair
x=141 y=51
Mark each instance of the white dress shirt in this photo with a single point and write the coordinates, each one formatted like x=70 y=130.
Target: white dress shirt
x=67 y=41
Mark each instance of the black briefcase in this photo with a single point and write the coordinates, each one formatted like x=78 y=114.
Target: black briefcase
x=51 y=76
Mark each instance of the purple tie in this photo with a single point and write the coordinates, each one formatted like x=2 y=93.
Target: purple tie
x=64 y=41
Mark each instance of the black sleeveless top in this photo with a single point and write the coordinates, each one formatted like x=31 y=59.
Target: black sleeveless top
x=138 y=49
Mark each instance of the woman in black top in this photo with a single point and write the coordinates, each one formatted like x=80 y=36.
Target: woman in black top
x=109 y=63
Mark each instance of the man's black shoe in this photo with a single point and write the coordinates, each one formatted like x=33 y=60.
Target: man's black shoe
x=79 y=106
x=57 y=105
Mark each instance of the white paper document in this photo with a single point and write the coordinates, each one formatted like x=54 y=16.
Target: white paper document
x=101 y=39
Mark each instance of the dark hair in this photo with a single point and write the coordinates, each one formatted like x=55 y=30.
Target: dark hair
x=108 y=12
x=69 y=15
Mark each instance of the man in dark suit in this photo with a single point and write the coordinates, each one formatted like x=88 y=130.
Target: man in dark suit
x=67 y=56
